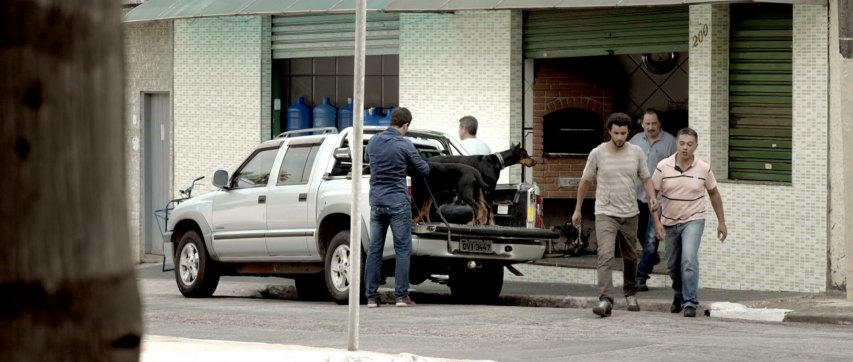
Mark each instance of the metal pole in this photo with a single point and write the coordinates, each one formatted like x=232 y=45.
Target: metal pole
x=356 y=147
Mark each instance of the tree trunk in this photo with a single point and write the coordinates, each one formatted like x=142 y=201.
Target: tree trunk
x=66 y=276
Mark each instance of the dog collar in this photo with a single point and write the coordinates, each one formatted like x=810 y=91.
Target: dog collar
x=500 y=159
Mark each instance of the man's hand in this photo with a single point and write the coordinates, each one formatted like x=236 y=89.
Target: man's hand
x=576 y=219
x=722 y=232
x=659 y=231
x=653 y=205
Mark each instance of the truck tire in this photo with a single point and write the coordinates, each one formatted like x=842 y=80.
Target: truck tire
x=195 y=271
x=480 y=285
x=312 y=287
x=337 y=268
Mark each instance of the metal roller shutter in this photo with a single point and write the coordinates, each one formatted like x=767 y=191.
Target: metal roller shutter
x=578 y=33
x=332 y=35
x=760 y=93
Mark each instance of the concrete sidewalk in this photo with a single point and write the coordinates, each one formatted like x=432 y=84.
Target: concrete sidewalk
x=169 y=349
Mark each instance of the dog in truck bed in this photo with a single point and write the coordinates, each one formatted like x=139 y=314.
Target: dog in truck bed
x=445 y=181
x=490 y=166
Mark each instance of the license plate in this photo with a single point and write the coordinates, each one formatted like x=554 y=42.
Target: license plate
x=475 y=245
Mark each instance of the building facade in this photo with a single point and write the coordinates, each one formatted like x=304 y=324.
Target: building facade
x=788 y=231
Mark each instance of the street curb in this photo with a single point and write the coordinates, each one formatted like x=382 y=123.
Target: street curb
x=819 y=318
x=538 y=301
x=552 y=301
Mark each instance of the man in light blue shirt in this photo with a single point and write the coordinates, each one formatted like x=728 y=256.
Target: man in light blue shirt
x=658 y=145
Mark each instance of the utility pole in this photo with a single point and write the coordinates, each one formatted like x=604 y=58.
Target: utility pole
x=66 y=274
x=356 y=149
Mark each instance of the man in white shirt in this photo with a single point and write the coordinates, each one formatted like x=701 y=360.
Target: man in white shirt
x=468 y=135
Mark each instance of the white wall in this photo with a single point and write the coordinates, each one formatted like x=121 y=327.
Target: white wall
x=221 y=94
x=148 y=68
x=841 y=160
x=467 y=63
x=777 y=232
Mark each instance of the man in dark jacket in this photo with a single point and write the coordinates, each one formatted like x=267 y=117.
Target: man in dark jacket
x=390 y=154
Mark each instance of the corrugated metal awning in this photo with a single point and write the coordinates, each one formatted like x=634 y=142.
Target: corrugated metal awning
x=179 y=9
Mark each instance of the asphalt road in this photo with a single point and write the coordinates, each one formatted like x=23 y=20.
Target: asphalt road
x=238 y=312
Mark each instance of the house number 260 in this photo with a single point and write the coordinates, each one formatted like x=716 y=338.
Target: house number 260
x=700 y=36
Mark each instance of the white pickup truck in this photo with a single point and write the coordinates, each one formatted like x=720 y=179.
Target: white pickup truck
x=286 y=212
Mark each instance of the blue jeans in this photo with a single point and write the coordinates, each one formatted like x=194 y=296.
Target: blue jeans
x=399 y=217
x=682 y=259
x=649 y=242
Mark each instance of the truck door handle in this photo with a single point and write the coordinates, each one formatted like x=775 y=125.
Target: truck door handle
x=262 y=199
x=303 y=197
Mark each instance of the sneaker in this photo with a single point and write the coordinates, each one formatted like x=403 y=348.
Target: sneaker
x=642 y=287
x=372 y=303
x=690 y=312
x=405 y=302
x=676 y=305
x=633 y=306
x=604 y=308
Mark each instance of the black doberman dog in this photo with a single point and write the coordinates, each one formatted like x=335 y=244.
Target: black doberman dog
x=490 y=166
x=457 y=179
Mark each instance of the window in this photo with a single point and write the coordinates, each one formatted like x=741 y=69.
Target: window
x=297 y=164
x=315 y=78
x=255 y=172
x=760 y=92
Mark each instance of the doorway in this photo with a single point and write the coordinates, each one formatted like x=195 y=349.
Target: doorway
x=157 y=122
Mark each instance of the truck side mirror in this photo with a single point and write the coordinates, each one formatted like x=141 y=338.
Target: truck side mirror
x=220 y=179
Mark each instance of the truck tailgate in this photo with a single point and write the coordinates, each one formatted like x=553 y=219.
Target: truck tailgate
x=498 y=233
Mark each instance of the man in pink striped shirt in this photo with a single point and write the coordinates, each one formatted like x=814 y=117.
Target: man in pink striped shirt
x=682 y=180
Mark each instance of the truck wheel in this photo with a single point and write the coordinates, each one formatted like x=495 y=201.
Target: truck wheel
x=312 y=287
x=337 y=268
x=195 y=271
x=481 y=285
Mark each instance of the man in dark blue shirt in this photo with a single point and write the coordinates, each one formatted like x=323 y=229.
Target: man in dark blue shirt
x=390 y=154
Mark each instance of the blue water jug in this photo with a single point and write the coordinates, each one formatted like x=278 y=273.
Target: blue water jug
x=372 y=116
x=325 y=114
x=298 y=115
x=345 y=115
x=386 y=121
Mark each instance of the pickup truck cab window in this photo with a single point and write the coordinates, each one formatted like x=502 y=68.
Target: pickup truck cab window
x=255 y=172
x=297 y=164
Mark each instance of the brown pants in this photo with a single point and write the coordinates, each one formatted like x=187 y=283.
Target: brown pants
x=606 y=229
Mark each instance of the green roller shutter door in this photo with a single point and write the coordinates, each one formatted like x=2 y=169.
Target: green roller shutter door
x=333 y=35
x=760 y=93
x=579 y=33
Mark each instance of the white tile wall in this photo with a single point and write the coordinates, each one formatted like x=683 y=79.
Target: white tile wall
x=777 y=233
x=221 y=97
x=466 y=63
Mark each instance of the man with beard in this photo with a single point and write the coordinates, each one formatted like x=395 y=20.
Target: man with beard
x=615 y=166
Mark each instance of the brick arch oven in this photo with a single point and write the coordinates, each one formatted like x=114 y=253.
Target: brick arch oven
x=571 y=101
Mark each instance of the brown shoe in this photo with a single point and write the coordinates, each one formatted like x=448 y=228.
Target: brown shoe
x=676 y=305
x=405 y=302
x=690 y=312
x=372 y=303
x=633 y=305
x=604 y=308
